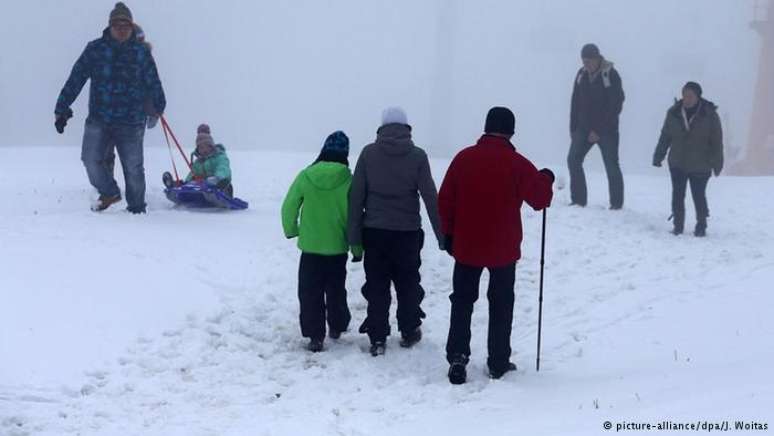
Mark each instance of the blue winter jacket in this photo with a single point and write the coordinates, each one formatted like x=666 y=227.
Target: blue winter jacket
x=122 y=77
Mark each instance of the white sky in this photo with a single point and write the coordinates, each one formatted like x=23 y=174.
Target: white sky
x=284 y=74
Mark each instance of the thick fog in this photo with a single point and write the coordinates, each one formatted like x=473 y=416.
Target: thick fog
x=281 y=75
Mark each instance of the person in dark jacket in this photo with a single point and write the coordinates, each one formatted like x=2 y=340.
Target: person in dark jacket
x=480 y=207
x=693 y=135
x=597 y=100
x=123 y=75
x=384 y=218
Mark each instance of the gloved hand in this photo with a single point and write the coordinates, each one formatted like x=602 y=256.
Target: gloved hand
x=656 y=163
x=151 y=121
x=61 y=120
x=448 y=244
x=549 y=173
x=212 y=180
x=357 y=253
x=717 y=171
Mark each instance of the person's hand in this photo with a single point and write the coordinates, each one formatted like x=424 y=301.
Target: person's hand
x=656 y=163
x=717 y=171
x=61 y=121
x=593 y=137
x=448 y=244
x=357 y=253
x=212 y=180
x=151 y=121
x=549 y=173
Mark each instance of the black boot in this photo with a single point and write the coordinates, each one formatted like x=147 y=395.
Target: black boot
x=411 y=338
x=499 y=372
x=315 y=345
x=377 y=348
x=457 y=373
x=701 y=228
x=678 y=220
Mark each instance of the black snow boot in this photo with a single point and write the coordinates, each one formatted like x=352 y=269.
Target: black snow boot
x=411 y=338
x=457 y=373
x=315 y=345
x=377 y=348
x=498 y=373
x=334 y=334
x=679 y=223
x=701 y=228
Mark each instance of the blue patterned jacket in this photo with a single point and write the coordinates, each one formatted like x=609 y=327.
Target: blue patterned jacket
x=122 y=77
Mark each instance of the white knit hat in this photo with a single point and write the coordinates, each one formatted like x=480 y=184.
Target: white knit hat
x=394 y=115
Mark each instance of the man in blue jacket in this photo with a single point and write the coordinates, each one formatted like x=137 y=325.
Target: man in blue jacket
x=123 y=75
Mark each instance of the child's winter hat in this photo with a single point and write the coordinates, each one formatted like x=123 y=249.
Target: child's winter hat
x=203 y=137
x=394 y=115
x=121 y=12
x=338 y=143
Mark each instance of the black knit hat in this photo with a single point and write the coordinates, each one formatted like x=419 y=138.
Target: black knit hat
x=695 y=87
x=500 y=120
x=590 y=51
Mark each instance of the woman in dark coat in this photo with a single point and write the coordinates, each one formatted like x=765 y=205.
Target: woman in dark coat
x=693 y=136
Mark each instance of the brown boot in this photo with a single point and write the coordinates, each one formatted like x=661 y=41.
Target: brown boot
x=105 y=202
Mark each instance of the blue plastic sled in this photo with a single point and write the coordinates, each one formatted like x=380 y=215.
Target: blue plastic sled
x=200 y=195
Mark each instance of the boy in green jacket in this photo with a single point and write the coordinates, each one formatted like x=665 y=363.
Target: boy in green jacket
x=319 y=195
x=209 y=163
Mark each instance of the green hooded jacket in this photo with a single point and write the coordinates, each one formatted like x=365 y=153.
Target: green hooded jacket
x=318 y=198
x=216 y=164
x=694 y=146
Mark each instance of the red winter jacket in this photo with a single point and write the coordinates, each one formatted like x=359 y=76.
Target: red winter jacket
x=480 y=201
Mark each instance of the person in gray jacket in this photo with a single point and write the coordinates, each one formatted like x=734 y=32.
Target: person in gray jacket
x=384 y=218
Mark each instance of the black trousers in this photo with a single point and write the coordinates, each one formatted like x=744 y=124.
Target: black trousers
x=501 y=297
x=321 y=290
x=392 y=257
x=580 y=147
x=698 y=181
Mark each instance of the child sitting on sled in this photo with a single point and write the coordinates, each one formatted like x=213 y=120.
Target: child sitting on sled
x=209 y=163
x=320 y=195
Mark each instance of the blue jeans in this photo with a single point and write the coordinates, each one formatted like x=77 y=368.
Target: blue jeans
x=128 y=140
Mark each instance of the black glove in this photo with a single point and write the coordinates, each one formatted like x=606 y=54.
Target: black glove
x=61 y=120
x=448 y=244
x=549 y=173
x=656 y=163
x=151 y=121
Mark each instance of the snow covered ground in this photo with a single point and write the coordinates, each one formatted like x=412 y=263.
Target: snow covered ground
x=185 y=323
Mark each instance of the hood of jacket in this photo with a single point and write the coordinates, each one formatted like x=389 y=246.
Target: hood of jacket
x=327 y=176
x=706 y=107
x=394 y=139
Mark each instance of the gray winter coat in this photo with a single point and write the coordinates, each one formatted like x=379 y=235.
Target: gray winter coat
x=389 y=177
x=695 y=145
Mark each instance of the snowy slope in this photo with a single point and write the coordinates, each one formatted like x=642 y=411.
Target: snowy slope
x=185 y=323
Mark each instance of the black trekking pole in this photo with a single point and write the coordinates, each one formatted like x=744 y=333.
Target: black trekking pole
x=540 y=299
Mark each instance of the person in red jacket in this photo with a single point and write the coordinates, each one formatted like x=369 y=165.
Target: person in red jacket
x=480 y=208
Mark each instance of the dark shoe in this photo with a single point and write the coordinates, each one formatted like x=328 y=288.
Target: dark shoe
x=677 y=231
x=168 y=181
x=578 y=204
x=700 y=231
x=411 y=338
x=315 y=345
x=457 y=373
x=377 y=348
x=105 y=202
x=334 y=334
x=136 y=210
x=616 y=207
x=498 y=373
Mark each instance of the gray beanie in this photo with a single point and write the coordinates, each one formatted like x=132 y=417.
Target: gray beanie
x=121 y=12
x=203 y=137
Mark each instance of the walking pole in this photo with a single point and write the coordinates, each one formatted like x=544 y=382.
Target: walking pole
x=540 y=299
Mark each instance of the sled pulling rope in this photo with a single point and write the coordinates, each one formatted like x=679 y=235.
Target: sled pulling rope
x=167 y=133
